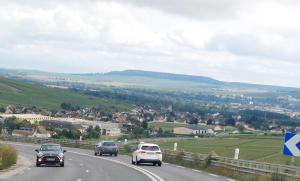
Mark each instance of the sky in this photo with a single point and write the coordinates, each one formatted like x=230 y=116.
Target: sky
x=254 y=41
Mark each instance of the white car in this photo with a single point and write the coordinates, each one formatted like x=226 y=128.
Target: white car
x=147 y=153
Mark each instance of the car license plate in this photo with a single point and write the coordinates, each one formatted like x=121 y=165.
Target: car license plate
x=150 y=153
x=50 y=159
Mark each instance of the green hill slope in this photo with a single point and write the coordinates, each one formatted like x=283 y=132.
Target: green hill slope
x=26 y=94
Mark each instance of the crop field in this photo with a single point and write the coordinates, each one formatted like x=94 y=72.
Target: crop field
x=166 y=126
x=26 y=94
x=169 y=126
x=265 y=149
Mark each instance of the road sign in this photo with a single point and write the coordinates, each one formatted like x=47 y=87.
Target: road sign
x=292 y=145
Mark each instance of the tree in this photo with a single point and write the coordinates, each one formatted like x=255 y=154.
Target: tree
x=66 y=106
x=138 y=132
x=2 y=109
x=145 y=124
x=160 y=132
x=1 y=127
x=97 y=131
x=194 y=121
x=209 y=122
x=14 y=123
x=230 y=122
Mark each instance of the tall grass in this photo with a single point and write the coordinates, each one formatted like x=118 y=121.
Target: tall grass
x=8 y=156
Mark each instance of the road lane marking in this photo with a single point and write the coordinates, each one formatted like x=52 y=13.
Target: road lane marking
x=81 y=164
x=213 y=175
x=149 y=174
x=230 y=179
x=87 y=171
x=80 y=179
x=178 y=166
x=196 y=170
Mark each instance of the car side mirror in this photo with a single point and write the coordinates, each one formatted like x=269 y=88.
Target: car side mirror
x=36 y=150
x=65 y=151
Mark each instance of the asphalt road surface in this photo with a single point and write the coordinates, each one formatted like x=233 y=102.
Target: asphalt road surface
x=82 y=165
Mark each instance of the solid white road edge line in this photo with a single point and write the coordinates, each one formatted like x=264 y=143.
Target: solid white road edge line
x=149 y=174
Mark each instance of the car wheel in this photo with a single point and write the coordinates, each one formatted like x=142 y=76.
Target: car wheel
x=159 y=164
x=132 y=162
x=96 y=153
x=100 y=154
x=62 y=164
x=116 y=154
x=137 y=162
x=154 y=163
x=37 y=164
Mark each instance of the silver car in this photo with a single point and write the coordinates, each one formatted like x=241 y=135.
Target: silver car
x=106 y=147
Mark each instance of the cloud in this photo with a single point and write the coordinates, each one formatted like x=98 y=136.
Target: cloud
x=199 y=9
x=232 y=40
x=264 y=44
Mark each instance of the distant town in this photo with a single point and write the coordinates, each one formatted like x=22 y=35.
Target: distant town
x=141 y=121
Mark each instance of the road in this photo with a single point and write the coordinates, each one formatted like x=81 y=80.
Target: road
x=82 y=165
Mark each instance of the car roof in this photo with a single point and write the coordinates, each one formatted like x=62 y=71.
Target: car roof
x=148 y=144
x=54 y=144
x=106 y=142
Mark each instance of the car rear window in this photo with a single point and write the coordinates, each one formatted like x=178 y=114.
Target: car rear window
x=50 y=148
x=109 y=144
x=150 y=148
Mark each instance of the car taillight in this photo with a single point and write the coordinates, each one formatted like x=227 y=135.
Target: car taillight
x=158 y=152
x=142 y=152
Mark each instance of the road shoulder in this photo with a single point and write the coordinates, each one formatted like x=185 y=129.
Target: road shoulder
x=22 y=164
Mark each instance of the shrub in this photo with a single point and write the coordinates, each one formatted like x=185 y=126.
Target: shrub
x=8 y=156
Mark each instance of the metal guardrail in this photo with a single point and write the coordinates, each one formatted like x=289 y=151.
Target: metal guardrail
x=63 y=142
x=257 y=167
x=247 y=166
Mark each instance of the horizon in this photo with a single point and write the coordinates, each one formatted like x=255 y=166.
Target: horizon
x=85 y=73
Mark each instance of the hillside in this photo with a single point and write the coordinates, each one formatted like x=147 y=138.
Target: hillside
x=27 y=94
x=143 y=79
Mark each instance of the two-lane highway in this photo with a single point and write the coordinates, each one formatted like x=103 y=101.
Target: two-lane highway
x=82 y=165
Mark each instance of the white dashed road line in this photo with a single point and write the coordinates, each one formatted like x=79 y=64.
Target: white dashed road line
x=149 y=174
x=196 y=170
x=213 y=175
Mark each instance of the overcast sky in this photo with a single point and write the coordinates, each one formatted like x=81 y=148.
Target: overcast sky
x=255 y=41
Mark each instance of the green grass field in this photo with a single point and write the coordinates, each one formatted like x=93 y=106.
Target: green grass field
x=169 y=126
x=166 y=126
x=26 y=94
x=265 y=149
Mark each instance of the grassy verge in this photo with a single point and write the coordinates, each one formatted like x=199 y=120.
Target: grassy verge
x=8 y=156
x=265 y=149
x=205 y=165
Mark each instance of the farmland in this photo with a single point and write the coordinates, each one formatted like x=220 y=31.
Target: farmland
x=169 y=126
x=27 y=94
x=265 y=149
